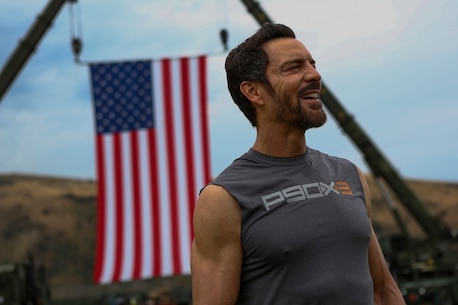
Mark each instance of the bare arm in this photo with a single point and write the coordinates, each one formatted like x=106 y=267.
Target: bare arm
x=216 y=255
x=386 y=291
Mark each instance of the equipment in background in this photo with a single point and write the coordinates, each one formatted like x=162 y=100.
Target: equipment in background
x=28 y=44
x=24 y=284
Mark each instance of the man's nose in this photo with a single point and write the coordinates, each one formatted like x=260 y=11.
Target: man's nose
x=311 y=73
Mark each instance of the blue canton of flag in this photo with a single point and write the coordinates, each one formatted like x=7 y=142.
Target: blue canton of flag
x=122 y=96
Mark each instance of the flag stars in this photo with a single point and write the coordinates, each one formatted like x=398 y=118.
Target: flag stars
x=123 y=97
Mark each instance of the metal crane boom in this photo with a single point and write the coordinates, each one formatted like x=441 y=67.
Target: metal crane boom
x=28 y=44
x=377 y=162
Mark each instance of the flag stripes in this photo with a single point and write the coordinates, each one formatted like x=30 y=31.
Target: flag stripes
x=149 y=175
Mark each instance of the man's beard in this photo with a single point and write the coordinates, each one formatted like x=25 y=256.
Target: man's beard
x=296 y=116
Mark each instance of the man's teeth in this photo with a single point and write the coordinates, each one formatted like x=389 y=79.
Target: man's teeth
x=311 y=95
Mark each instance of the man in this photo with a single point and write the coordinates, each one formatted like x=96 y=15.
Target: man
x=285 y=224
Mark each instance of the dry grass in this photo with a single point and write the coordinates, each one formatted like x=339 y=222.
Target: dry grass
x=439 y=198
x=52 y=218
x=55 y=219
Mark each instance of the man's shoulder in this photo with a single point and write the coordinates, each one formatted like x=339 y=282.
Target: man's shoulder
x=326 y=156
x=237 y=167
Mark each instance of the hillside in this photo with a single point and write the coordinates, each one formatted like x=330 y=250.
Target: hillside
x=55 y=220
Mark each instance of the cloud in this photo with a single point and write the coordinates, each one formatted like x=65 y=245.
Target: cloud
x=392 y=65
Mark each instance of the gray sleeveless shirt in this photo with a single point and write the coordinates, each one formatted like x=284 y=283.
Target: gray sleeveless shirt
x=305 y=230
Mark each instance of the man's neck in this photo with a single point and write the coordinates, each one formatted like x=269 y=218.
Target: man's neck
x=276 y=143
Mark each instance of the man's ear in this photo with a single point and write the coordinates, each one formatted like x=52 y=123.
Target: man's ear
x=252 y=91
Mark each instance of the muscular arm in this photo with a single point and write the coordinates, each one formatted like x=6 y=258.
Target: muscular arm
x=386 y=291
x=216 y=255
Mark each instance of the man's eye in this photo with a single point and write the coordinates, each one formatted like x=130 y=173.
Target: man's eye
x=293 y=67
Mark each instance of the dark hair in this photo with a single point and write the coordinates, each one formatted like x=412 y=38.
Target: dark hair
x=248 y=62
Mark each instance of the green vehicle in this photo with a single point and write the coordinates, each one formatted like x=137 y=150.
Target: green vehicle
x=23 y=284
x=426 y=270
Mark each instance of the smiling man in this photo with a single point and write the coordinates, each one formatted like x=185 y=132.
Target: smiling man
x=284 y=223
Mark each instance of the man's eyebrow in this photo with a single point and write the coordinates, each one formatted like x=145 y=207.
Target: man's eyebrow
x=292 y=61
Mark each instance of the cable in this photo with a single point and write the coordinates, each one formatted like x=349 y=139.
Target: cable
x=75 y=31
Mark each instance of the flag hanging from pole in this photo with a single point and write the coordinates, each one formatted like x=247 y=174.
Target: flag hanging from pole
x=152 y=156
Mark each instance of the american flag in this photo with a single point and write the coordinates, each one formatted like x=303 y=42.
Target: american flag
x=152 y=155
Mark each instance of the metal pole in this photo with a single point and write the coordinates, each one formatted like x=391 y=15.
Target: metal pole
x=28 y=44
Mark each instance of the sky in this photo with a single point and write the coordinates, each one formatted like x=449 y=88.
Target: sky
x=392 y=64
